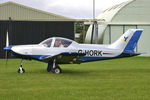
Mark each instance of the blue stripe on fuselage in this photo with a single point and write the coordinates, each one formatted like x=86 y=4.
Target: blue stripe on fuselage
x=88 y=59
x=84 y=59
x=39 y=57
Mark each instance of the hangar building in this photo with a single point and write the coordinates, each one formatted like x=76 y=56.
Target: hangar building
x=131 y=14
x=27 y=25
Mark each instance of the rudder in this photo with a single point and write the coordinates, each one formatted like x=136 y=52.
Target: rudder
x=133 y=41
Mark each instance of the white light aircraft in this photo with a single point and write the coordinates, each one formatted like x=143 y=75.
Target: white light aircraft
x=57 y=50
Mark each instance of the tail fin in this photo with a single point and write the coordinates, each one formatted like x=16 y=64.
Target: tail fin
x=128 y=41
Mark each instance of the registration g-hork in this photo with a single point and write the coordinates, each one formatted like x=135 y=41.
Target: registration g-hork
x=94 y=53
x=57 y=50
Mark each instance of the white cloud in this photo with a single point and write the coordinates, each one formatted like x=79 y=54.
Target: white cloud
x=69 y=8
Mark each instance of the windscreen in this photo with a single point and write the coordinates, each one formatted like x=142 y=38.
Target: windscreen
x=47 y=43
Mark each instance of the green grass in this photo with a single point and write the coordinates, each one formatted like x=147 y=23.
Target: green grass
x=118 y=79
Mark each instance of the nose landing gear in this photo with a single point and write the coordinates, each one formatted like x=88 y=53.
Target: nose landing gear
x=21 y=70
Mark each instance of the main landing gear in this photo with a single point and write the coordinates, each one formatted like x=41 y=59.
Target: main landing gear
x=54 y=68
x=21 y=70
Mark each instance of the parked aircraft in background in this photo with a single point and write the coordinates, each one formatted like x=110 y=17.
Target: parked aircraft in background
x=57 y=50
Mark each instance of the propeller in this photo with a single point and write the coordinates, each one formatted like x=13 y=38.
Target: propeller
x=7 y=44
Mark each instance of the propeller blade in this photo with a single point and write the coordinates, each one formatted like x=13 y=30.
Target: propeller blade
x=7 y=39
x=6 y=63
x=7 y=44
x=6 y=57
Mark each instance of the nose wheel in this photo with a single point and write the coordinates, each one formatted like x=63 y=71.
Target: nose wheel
x=21 y=70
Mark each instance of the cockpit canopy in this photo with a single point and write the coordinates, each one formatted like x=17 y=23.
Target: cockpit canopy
x=56 y=42
x=47 y=43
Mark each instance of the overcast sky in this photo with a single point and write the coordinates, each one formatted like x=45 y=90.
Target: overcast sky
x=69 y=8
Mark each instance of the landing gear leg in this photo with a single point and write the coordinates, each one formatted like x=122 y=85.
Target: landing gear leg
x=49 y=67
x=21 y=70
x=56 y=69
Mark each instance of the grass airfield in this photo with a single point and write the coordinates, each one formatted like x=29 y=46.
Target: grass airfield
x=117 y=79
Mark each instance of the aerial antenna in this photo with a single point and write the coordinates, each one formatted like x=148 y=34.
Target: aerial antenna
x=93 y=9
x=94 y=35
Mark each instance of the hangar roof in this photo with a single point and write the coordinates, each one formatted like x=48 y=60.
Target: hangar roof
x=17 y=12
x=109 y=13
x=132 y=12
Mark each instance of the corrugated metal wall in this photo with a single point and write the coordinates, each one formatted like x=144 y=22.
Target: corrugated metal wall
x=32 y=32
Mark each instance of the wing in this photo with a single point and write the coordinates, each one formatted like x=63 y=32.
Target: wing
x=64 y=58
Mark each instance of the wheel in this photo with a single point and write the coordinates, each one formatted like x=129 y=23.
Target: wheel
x=56 y=70
x=21 y=70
